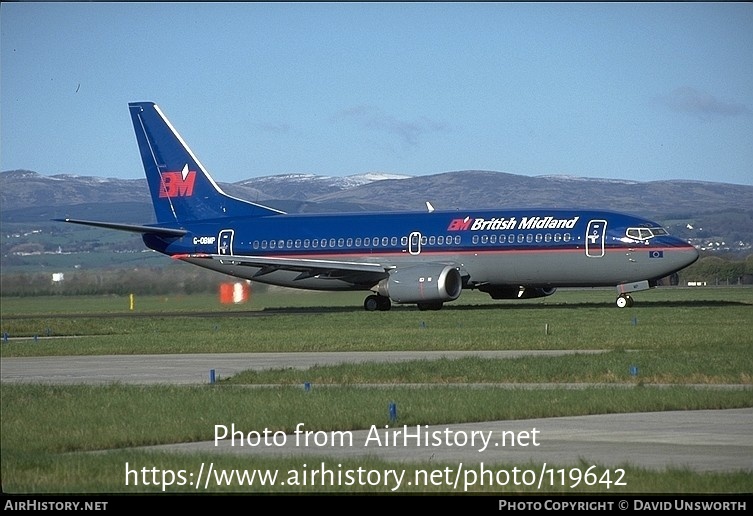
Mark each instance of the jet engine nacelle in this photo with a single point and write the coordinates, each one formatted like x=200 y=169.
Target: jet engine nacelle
x=422 y=284
x=515 y=292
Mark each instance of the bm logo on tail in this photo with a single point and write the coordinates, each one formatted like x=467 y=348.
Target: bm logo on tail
x=177 y=184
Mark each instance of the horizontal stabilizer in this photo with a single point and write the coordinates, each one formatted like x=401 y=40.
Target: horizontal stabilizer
x=133 y=228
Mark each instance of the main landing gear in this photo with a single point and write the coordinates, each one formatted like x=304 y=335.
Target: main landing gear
x=375 y=302
x=624 y=301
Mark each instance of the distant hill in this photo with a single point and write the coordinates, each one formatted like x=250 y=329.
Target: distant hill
x=482 y=189
x=711 y=215
x=23 y=189
x=27 y=195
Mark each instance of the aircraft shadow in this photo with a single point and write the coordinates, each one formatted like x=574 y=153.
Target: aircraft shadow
x=508 y=306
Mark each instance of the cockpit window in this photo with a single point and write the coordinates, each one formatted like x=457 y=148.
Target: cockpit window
x=645 y=233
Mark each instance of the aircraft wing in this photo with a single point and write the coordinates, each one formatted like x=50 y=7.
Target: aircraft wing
x=354 y=272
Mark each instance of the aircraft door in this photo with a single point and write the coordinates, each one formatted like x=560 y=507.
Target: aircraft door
x=595 y=234
x=414 y=243
x=225 y=242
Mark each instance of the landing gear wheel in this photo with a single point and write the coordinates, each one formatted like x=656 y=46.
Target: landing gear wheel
x=374 y=302
x=624 y=301
x=371 y=303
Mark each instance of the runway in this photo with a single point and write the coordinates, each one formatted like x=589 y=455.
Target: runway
x=703 y=440
x=193 y=369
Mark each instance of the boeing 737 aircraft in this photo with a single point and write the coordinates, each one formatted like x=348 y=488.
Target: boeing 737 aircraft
x=425 y=258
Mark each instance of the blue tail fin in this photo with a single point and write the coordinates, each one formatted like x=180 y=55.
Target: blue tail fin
x=181 y=188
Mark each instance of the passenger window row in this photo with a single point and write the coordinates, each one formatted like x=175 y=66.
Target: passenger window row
x=441 y=240
x=367 y=242
x=521 y=238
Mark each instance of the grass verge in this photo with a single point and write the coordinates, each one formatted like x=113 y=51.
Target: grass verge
x=53 y=455
x=51 y=436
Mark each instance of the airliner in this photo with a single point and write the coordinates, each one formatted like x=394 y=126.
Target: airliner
x=424 y=258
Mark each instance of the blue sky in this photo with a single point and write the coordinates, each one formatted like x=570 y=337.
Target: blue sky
x=639 y=91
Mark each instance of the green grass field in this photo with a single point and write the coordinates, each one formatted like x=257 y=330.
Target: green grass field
x=53 y=436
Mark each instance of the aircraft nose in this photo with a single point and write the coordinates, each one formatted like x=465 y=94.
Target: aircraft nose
x=689 y=254
x=694 y=254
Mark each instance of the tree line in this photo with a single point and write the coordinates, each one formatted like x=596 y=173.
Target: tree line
x=141 y=281
x=715 y=270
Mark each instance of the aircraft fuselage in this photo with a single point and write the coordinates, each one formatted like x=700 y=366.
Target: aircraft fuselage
x=537 y=248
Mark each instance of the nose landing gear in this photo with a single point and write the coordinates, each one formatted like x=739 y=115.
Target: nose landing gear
x=624 y=301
